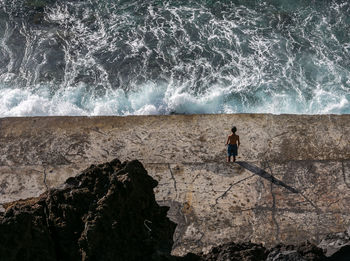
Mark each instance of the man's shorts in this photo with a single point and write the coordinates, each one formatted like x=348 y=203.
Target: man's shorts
x=232 y=150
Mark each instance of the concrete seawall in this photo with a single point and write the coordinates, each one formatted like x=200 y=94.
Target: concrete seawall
x=291 y=181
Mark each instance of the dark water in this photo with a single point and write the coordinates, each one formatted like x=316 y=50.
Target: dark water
x=158 y=57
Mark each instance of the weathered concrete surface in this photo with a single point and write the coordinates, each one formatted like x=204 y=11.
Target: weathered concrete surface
x=292 y=181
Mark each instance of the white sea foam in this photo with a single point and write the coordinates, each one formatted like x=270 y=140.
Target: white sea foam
x=153 y=100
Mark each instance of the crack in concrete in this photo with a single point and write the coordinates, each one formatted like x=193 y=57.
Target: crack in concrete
x=230 y=187
x=174 y=180
x=318 y=228
x=47 y=188
x=141 y=140
x=333 y=202
x=273 y=208
x=278 y=135
x=292 y=210
x=344 y=176
x=199 y=241
x=195 y=177
x=318 y=211
x=273 y=213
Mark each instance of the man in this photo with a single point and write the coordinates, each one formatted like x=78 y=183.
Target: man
x=233 y=144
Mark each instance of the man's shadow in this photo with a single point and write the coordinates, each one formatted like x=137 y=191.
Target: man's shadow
x=262 y=173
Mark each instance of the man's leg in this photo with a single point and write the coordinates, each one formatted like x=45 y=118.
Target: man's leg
x=228 y=158
x=234 y=158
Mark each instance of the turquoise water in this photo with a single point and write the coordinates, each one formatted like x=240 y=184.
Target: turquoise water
x=162 y=57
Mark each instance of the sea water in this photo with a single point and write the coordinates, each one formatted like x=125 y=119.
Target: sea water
x=139 y=57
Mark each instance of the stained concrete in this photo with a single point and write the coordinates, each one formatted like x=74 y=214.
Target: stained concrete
x=291 y=181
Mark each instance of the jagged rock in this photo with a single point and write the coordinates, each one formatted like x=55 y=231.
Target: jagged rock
x=304 y=252
x=108 y=212
x=337 y=246
x=253 y=252
x=25 y=234
x=343 y=254
x=236 y=252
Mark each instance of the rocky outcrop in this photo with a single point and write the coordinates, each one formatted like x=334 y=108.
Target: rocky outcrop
x=303 y=252
x=337 y=246
x=235 y=252
x=247 y=251
x=108 y=212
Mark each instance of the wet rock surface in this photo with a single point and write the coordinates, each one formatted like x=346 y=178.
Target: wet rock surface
x=108 y=212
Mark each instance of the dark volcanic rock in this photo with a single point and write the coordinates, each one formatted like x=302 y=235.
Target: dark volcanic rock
x=253 y=252
x=25 y=234
x=237 y=252
x=337 y=246
x=108 y=212
x=343 y=254
x=304 y=252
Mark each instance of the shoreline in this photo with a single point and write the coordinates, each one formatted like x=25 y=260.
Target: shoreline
x=173 y=114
